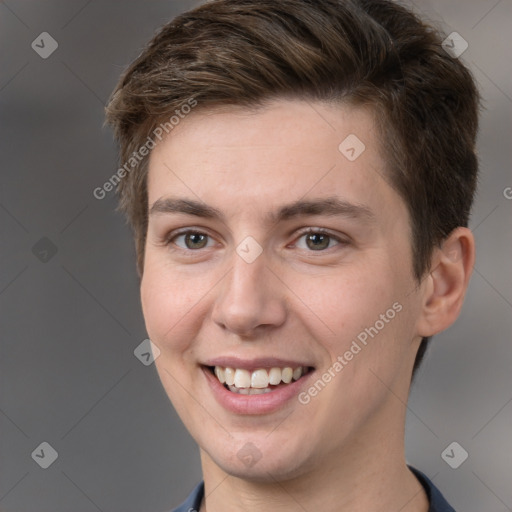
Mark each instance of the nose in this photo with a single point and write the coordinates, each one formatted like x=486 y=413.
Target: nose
x=251 y=300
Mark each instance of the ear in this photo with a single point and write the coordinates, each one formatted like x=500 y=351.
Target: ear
x=446 y=284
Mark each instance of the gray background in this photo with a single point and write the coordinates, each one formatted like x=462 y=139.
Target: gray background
x=70 y=321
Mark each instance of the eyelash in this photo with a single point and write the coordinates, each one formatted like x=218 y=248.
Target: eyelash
x=307 y=231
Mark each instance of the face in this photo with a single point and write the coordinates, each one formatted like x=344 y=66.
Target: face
x=279 y=257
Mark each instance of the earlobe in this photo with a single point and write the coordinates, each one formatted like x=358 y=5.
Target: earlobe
x=447 y=282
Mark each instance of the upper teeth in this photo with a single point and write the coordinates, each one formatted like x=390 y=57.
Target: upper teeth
x=258 y=379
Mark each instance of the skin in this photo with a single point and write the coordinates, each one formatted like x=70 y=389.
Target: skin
x=344 y=450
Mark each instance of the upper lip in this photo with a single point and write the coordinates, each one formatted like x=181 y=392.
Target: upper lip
x=253 y=364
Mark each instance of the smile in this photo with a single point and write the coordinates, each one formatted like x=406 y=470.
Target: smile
x=259 y=381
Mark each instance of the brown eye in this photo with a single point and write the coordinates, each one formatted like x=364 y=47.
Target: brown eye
x=191 y=240
x=317 y=241
x=196 y=240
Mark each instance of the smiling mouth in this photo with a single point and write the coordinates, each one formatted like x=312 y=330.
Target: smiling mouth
x=260 y=381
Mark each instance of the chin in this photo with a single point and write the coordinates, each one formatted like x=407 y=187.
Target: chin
x=274 y=462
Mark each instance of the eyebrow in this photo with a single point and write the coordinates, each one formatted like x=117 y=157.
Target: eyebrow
x=329 y=206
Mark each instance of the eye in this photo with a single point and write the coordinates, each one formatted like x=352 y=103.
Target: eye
x=190 y=240
x=317 y=240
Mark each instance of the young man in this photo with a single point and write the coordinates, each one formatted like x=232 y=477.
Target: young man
x=299 y=177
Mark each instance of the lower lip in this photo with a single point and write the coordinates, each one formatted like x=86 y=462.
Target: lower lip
x=254 y=404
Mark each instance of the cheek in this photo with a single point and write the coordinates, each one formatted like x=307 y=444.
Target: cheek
x=170 y=302
x=362 y=316
x=342 y=304
x=368 y=336
x=167 y=304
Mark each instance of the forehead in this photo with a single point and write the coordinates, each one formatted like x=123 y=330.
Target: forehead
x=243 y=160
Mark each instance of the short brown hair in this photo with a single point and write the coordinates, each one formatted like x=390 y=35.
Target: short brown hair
x=362 y=52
